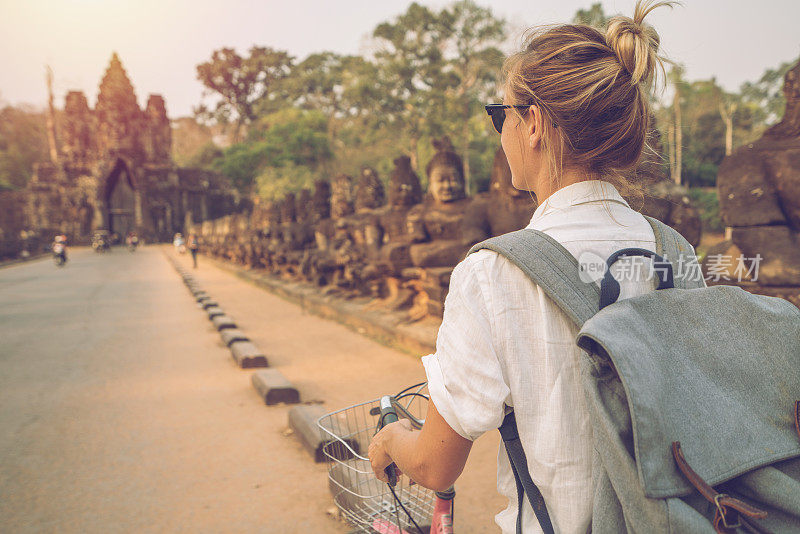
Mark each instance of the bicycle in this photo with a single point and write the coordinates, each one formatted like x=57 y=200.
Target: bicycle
x=399 y=507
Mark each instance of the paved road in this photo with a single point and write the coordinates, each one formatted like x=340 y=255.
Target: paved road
x=121 y=411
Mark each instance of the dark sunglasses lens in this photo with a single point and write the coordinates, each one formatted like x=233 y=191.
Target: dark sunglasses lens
x=498 y=117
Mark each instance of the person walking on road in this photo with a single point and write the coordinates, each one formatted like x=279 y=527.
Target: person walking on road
x=194 y=246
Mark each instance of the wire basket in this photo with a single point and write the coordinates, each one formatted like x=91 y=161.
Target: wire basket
x=364 y=501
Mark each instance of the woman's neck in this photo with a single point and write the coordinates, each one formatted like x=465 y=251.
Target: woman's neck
x=545 y=187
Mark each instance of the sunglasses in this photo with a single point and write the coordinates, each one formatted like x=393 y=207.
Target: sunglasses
x=498 y=114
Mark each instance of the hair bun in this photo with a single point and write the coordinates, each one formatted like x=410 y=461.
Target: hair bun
x=636 y=43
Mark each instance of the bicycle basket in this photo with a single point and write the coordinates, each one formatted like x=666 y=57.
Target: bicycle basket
x=364 y=501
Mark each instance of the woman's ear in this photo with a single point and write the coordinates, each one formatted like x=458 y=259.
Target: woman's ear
x=534 y=126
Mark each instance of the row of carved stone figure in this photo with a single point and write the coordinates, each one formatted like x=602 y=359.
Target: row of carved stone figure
x=345 y=235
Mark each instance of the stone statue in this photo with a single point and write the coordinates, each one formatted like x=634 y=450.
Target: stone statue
x=507 y=208
x=440 y=226
x=335 y=247
x=405 y=192
x=442 y=229
x=759 y=196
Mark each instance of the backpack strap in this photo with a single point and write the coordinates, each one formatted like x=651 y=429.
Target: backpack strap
x=545 y=261
x=672 y=246
x=525 y=484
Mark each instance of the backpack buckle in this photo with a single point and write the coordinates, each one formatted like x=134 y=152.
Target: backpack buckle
x=722 y=513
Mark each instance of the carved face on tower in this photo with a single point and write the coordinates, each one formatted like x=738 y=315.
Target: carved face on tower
x=404 y=187
x=341 y=196
x=445 y=174
x=369 y=192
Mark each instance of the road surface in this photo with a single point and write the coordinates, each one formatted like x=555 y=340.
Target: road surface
x=121 y=410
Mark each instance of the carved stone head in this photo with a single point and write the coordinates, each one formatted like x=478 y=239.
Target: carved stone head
x=304 y=205
x=500 y=182
x=404 y=186
x=445 y=173
x=791 y=86
x=288 y=208
x=276 y=213
x=341 y=196
x=321 y=201
x=789 y=126
x=369 y=191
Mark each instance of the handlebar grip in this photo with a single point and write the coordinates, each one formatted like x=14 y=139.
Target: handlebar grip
x=388 y=415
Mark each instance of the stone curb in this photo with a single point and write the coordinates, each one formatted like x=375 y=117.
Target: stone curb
x=274 y=388
x=221 y=322
x=232 y=335
x=246 y=355
x=214 y=311
x=303 y=422
x=384 y=329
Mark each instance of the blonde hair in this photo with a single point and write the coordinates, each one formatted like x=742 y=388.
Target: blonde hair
x=592 y=89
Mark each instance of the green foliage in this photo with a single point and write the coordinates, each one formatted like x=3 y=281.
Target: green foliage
x=290 y=138
x=241 y=83
x=274 y=182
x=766 y=95
x=594 y=16
x=706 y=201
x=23 y=142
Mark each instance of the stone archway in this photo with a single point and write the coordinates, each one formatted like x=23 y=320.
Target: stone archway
x=120 y=199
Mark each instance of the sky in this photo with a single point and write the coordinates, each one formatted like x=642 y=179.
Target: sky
x=160 y=42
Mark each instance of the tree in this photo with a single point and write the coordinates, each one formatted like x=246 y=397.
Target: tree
x=242 y=83
x=287 y=137
x=675 y=134
x=765 y=97
x=728 y=104
x=410 y=60
x=341 y=87
x=475 y=58
x=594 y=16
x=23 y=142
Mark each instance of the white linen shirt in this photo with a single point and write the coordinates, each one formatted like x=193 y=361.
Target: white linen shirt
x=503 y=341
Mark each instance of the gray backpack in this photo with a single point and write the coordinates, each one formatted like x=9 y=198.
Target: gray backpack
x=692 y=393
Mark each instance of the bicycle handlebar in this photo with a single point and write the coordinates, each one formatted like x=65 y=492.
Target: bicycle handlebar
x=388 y=415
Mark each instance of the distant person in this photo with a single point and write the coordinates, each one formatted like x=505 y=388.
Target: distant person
x=132 y=241
x=194 y=246
x=178 y=242
x=59 y=248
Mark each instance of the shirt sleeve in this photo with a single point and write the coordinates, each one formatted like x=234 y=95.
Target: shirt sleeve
x=465 y=377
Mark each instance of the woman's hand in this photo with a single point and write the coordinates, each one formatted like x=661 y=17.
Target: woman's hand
x=432 y=457
x=380 y=445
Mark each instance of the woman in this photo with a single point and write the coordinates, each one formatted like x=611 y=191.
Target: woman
x=580 y=119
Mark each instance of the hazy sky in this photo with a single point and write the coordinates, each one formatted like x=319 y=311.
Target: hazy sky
x=161 y=41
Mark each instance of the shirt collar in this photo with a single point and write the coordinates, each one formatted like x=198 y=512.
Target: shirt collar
x=578 y=193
